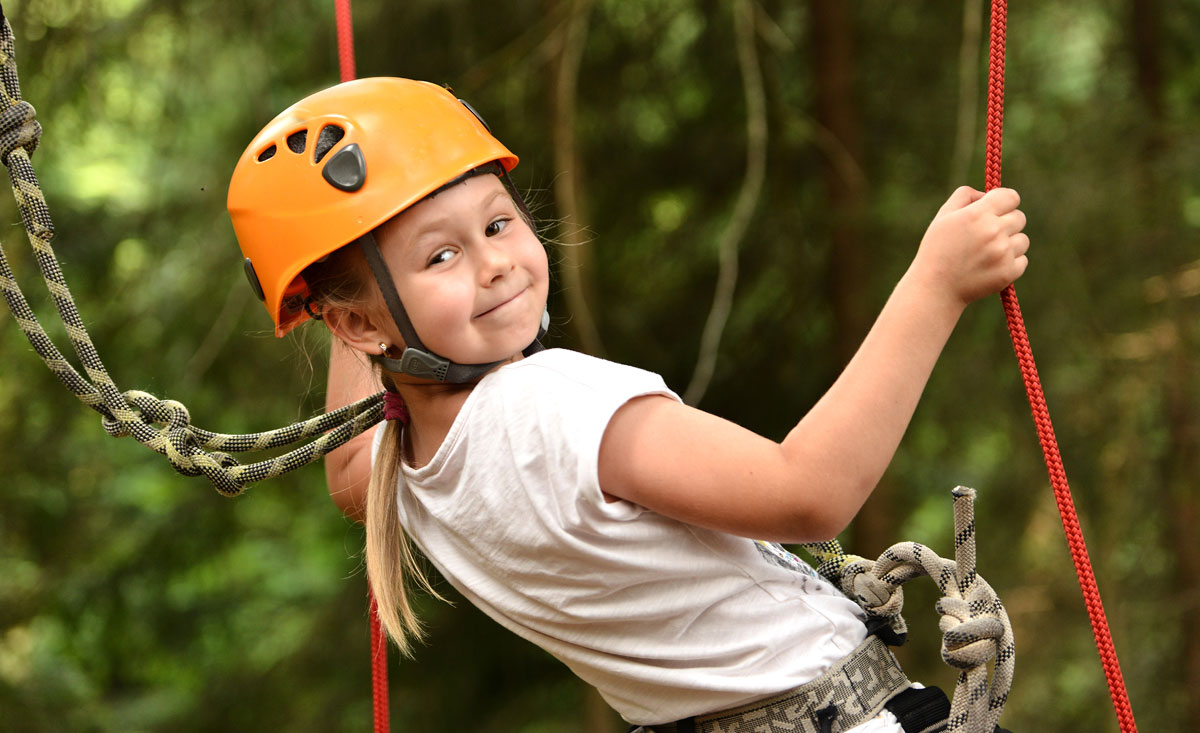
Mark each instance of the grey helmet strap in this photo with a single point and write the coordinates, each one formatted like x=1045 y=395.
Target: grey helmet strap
x=416 y=360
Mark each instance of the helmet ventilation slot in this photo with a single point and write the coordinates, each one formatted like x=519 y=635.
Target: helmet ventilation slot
x=296 y=141
x=330 y=135
x=266 y=154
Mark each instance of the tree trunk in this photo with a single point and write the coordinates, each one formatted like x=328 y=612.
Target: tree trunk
x=832 y=41
x=1181 y=463
x=568 y=184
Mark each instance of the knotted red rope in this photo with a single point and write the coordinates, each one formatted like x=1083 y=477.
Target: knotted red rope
x=379 y=681
x=1037 y=400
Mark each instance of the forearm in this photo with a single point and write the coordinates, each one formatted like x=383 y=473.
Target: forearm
x=850 y=436
x=703 y=470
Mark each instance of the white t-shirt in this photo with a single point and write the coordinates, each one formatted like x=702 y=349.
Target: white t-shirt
x=665 y=619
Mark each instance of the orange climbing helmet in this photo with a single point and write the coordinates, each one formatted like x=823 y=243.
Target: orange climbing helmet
x=336 y=165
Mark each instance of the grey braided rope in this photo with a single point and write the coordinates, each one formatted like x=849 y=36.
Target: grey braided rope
x=975 y=627
x=161 y=425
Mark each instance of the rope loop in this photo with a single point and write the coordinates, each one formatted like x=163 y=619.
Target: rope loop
x=19 y=128
x=975 y=628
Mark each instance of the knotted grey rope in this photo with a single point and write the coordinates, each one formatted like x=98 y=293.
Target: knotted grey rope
x=975 y=626
x=162 y=425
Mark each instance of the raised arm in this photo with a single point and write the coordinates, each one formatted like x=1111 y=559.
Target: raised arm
x=348 y=468
x=701 y=469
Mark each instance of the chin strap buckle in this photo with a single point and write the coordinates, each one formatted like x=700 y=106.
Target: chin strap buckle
x=422 y=364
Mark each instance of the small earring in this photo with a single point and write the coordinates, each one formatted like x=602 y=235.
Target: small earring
x=383 y=348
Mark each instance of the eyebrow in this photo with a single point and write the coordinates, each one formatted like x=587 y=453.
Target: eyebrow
x=442 y=221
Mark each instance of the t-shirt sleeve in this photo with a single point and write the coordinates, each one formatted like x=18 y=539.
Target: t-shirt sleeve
x=572 y=406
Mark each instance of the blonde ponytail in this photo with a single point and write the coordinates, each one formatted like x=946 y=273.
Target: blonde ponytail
x=343 y=281
x=393 y=567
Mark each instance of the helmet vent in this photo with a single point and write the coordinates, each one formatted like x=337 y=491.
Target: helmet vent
x=330 y=134
x=296 y=141
x=266 y=154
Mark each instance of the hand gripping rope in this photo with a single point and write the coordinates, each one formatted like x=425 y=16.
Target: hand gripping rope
x=975 y=626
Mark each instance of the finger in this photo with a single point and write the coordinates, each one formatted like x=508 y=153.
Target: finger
x=1001 y=200
x=1013 y=222
x=1020 y=244
x=1020 y=264
x=962 y=196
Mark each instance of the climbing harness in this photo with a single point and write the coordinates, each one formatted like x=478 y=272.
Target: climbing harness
x=849 y=693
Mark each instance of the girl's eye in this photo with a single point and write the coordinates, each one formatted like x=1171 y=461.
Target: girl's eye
x=495 y=227
x=444 y=255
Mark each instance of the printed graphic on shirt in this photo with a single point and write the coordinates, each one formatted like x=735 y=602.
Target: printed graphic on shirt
x=774 y=552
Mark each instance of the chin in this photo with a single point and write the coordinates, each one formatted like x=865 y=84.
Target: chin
x=488 y=356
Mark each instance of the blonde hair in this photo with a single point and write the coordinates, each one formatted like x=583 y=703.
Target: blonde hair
x=342 y=281
x=393 y=565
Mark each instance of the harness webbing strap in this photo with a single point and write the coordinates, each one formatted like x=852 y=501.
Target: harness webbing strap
x=1037 y=399
x=848 y=694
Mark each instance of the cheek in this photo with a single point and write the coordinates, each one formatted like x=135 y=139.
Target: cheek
x=537 y=262
x=424 y=304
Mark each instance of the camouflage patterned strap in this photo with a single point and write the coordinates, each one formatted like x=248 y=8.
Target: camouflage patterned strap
x=847 y=694
x=162 y=425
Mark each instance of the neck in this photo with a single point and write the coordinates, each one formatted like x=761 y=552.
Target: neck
x=432 y=409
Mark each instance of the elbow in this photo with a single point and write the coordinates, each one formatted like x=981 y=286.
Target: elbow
x=350 y=503
x=812 y=517
x=814 y=525
x=349 y=495
x=348 y=473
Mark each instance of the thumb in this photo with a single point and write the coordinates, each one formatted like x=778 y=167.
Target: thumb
x=962 y=197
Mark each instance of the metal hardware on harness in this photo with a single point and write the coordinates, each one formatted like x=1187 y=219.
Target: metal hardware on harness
x=857 y=687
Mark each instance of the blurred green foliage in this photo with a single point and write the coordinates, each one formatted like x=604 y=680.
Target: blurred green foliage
x=132 y=598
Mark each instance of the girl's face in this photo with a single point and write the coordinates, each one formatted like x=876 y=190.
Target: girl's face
x=471 y=273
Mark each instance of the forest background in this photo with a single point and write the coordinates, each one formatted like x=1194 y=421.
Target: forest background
x=816 y=137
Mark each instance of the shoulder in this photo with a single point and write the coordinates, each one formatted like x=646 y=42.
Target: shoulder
x=558 y=403
x=557 y=371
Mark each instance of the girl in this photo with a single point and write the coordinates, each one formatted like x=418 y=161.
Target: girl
x=578 y=502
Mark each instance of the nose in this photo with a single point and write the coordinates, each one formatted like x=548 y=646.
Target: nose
x=494 y=260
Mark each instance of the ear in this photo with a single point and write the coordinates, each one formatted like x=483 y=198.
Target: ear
x=356 y=329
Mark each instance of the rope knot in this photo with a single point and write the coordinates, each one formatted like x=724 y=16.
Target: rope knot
x=176 y=439
x=19 y=128
x=873 y=593
x=867 y=583
x=971 y=634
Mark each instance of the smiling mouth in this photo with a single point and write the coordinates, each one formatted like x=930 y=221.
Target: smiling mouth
x=503 y=303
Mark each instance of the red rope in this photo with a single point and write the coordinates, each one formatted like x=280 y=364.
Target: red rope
x=1037 y=400
x=379 y=681
x=345 y=39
